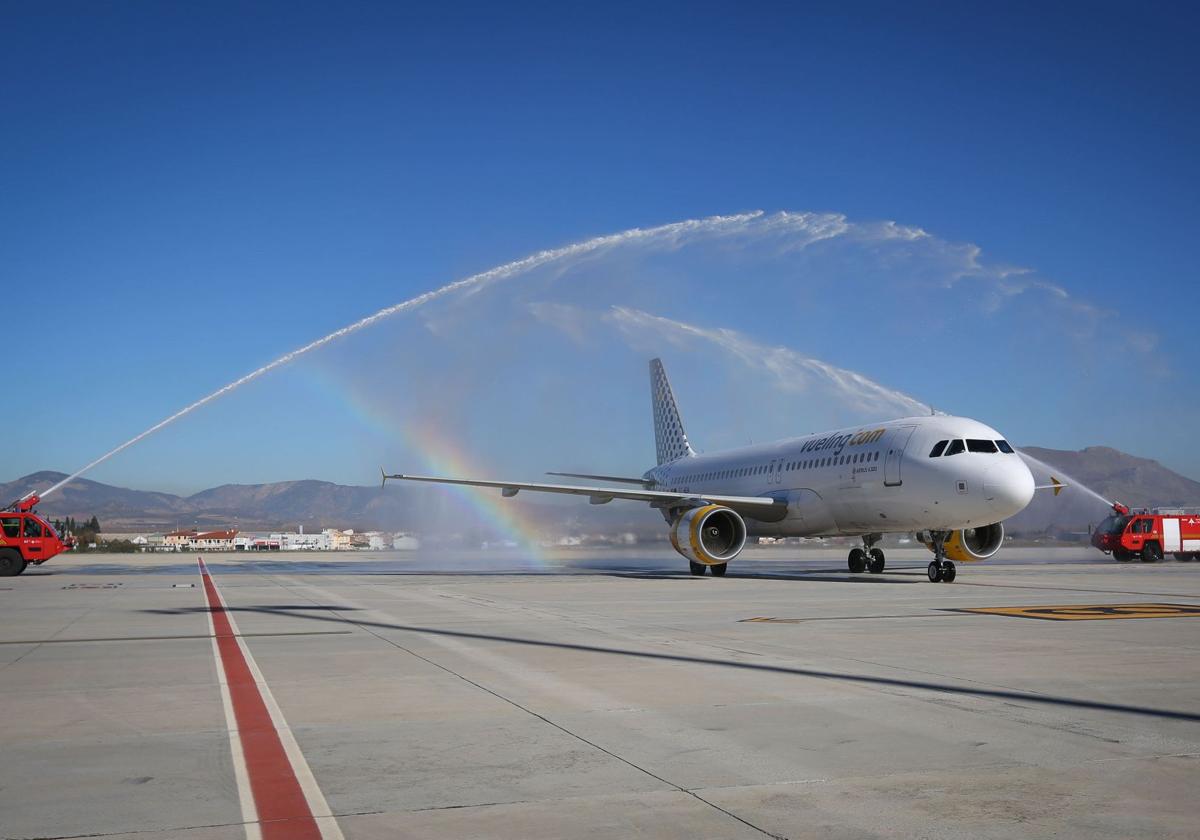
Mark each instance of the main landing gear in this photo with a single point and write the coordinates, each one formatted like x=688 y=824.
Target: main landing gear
x=718 y=569
x=868 y=558
x=940 y=569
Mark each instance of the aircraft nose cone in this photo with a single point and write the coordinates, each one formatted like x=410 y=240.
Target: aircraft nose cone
x=1008 y=487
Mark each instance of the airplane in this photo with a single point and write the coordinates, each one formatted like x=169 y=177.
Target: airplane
x=951 y=481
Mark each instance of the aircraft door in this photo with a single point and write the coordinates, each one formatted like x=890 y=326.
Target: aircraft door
x=895 y=454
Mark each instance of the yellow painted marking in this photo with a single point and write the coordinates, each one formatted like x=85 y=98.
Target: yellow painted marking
x=1092 y=612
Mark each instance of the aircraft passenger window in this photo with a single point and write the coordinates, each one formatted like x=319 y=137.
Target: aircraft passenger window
x=33 y=528
x=938 y=448
x=1005 y=447
x=956 y=446
x=980 y=446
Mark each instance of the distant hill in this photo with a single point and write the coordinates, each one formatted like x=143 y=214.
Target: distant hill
x=314 y=504
x=1115 y=475
x=1138 y=482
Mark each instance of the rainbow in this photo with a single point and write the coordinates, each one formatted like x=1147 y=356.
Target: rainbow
x=438 y=455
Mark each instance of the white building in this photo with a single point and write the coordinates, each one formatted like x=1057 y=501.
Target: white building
x=405 y=542
x=376 y=541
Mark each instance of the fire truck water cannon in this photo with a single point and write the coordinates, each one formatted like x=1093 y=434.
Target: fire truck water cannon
x=26 y=504
x=1120 y=509
x=27 y=538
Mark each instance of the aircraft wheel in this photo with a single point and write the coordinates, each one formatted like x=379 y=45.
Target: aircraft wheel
x=697 y=568
x=11 y=563
x=719 y=569
x=1151 y=553
x=948 y=572
x=935 y=572
x=857 y=561
x=875 y=564
x=1121 y=555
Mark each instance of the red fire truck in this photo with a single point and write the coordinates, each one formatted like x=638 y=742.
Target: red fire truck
x=27 y=538
x=1149 y=534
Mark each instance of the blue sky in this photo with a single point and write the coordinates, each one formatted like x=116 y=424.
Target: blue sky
x=188 y=191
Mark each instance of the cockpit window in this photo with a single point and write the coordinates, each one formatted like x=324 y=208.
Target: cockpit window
x=938 y=448
x=1005 y=447
x=956 y=446
x=980 y=446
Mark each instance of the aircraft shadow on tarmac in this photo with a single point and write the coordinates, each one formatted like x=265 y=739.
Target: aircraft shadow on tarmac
x=795 y=576
x=628 y=570
x=309 y=612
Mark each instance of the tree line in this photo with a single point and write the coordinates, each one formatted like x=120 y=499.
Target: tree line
x=87 y=536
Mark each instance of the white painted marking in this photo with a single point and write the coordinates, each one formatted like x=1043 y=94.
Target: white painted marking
x=326 y=821
x=240 y=773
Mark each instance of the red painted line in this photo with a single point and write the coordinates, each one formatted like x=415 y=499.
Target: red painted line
x=283 y=811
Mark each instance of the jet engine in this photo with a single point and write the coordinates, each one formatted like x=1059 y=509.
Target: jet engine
x=970 y=544
x=711 y=534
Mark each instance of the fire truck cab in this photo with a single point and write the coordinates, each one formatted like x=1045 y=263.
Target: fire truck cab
x=1148 y=535
x=27 y=538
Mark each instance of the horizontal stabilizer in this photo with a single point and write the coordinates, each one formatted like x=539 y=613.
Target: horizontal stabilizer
x=1055 y=485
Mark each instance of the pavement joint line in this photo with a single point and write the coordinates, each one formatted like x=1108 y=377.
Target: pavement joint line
x=1065 y=589
x=558 y=726
x=952 y=690
x=773 y=620
x=272 y=773
x=53 y=641
x=37 y=645
x=1153 y=757
x=126 y=832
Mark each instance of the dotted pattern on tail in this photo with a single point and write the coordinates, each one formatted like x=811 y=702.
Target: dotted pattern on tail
x=670 y=440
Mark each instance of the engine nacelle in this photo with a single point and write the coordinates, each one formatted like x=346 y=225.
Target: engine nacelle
x=970 y=544
x=711 y=535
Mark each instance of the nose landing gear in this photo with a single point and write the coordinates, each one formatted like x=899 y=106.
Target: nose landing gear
x=868 y=558
x=940 y=569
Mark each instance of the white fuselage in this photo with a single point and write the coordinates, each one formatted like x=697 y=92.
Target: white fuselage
x=876 y=478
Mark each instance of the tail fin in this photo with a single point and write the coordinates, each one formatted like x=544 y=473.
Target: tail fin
x=670 y=440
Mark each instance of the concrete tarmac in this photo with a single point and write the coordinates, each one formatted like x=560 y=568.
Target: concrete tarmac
x=608 y=694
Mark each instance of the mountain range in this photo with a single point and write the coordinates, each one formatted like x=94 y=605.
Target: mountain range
x=316 y=504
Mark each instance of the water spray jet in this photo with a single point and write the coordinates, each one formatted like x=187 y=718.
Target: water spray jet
x=667 y=232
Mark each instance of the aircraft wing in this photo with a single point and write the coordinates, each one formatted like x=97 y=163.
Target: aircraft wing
x=596 y=495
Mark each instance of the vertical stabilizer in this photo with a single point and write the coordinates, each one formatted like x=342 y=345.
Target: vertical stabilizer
x=670 y=440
